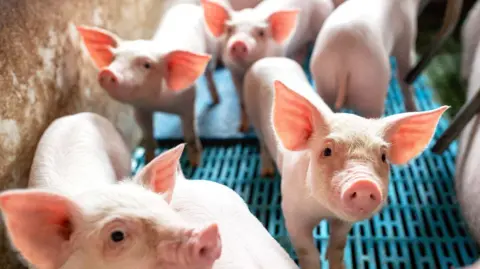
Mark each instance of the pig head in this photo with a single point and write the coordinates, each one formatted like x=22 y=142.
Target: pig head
x=124 y=225
x=134 y=71
x=250 y=34
x=349 y=155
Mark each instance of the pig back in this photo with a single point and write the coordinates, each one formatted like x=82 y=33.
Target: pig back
x=183 y=28
x=467 y=177
x=245 y=241
x=77 y=152
x=470 y=36
x=259 y=91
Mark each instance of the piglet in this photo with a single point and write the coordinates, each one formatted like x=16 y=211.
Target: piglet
x=334 y=166
x=350 y=61
x=467 y=175
x=470 y=36
x=158 y=74
x=245 y=241
x=77 y=215
x=273 y=28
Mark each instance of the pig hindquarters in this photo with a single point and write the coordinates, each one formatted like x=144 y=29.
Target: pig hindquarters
x=158 y=74
x=350 y=61
x=273 y=28
x=334 y=166
x=467 y=175
x=77 y=215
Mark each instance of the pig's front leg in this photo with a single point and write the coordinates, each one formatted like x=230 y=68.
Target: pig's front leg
x=238 y=82
x=268 y=168
x=145 y=120
x=300 y=228
x=403 y=53
x=336 y=244
x=189 y=126
x=212 y=87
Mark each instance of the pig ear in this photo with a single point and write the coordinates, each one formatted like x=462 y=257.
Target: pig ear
x=295 y=118
x=208 y=245
x=40 y=225
x=410 y=133
x=99 y=43
x=161 y=173
x=183 y=68
x=216 y=17
x=283 y=24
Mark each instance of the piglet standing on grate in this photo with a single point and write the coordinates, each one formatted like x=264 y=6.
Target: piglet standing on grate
x=273 y=28
x=350 y=61
x=467 y=175
x=78 y=213
x=245 y=241
x=334 y=166
x=158 y=74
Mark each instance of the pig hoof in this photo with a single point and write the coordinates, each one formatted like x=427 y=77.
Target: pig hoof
x=337 y=266
x=267 y=172
x=243 y=127
x=194 y=156
x=216 y=100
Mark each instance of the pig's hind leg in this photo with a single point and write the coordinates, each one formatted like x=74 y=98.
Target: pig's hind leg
x=404 y=54
x=244 y=122
x=189 y=126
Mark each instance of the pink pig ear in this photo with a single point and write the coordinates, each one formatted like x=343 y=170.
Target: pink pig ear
x=99 y=43
x=207 y=246
x=184 y=68
x=410 y=133
x=216 y=17
x=294 y=118
x=282 y=24
x=161 y=173
x=40 y=225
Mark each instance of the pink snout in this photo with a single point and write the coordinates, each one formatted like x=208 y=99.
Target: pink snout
x=108 y=80
x=239 y=50
x=362 y=196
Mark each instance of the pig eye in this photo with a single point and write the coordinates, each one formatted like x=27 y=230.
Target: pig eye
x=384 y=157
x=147 y=65
x=117 y=236
x=229 y=30
x=261 y=33
x=327 y=152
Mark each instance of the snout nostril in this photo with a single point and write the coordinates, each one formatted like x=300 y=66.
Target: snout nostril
x=353 y=195
x=112 y=80
x=373 y=197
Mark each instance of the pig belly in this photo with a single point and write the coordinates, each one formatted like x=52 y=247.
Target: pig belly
x=245 y=241
x=467 y=176
x=79 y=152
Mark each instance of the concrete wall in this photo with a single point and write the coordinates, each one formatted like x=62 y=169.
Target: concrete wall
x=45 y=74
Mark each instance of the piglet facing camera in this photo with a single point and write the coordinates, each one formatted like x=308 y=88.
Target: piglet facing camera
x=124 y=225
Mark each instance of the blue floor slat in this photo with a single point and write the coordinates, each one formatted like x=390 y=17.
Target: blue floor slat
x=421 y=227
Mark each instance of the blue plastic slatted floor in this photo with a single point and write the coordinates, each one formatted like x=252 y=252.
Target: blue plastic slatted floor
x=421 y=227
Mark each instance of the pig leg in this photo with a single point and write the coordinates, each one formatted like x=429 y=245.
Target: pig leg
x=268 y=168
x=189 y=126
x=300 y=230
x=336 y=246
x=212 y=88
x=238 y=82
x=145 y=120
x=404 y=53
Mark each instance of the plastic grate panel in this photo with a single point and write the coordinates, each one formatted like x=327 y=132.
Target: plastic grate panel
x=420 y=227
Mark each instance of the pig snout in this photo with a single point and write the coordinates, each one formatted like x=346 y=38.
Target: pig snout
x=362 y=197
x=108 y=80
x=239 y=50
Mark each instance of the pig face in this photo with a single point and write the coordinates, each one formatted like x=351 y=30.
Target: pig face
x=130 y=71
x=127 y=225
x=248 y=35
x=349 y=155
